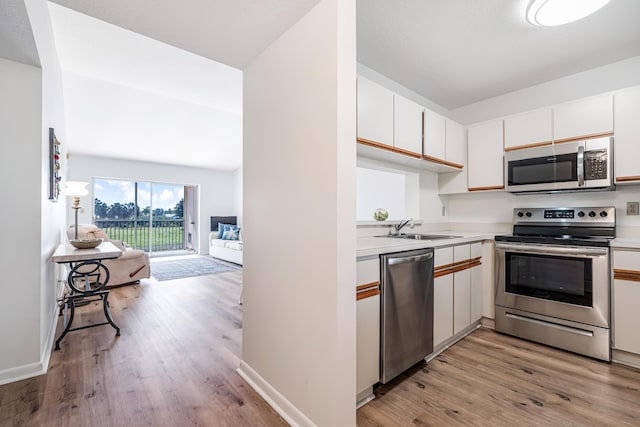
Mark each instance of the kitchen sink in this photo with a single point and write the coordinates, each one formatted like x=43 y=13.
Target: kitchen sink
x=416 y=236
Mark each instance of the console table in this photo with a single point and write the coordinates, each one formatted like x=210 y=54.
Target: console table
x=86 y=280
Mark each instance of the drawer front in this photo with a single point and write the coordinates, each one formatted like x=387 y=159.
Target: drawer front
x=368 y=272
x=461 y=253
x=443 y=257
x=626 y=260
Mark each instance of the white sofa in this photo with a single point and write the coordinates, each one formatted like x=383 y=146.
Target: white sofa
x=130 y=267
x=227 y=250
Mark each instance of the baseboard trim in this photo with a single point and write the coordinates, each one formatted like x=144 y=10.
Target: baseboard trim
x=277 y=401
x=37 y=368
x=625 y=358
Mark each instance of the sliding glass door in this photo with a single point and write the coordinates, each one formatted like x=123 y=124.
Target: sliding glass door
x=146 y=215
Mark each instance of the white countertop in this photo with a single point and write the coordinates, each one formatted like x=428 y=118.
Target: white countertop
x=371 y=246
x=626 y=243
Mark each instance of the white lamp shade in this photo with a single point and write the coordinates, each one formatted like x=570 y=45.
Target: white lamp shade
x=75 y=188
x=558 y=12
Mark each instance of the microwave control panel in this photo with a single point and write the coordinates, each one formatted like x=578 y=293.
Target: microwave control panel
x=595 y=164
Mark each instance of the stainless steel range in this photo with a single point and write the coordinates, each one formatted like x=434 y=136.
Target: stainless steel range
x=552 y=278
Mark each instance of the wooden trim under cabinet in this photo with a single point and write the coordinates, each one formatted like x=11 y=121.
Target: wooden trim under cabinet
x=455 y=267
x=580 y=138
x=494 y=187
x=627 y=178
x=631 y=275
x=367 y=294
x=535 y=144
x=375 y=144
x=442 y=162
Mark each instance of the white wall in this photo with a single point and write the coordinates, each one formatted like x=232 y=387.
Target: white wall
x=489 y=208
x=237 y=193
x=299 y=170
x=216 y=187
x=20 y=281
x=53 y=214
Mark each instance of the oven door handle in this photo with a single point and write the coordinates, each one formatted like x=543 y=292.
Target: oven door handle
x=552 y=250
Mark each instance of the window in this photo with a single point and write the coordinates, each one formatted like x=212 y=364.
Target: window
x=395 y=192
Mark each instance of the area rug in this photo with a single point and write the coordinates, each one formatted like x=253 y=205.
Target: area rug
x=162 y=270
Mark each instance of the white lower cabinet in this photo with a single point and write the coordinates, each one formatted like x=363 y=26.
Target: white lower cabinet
x=457 y=290
x=461 y=289
x=367 y=342
x=626 y=296
x=476 y=283
x=442 y=296
x=367 y=327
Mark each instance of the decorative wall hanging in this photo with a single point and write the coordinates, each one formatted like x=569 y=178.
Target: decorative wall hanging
x=54 y=166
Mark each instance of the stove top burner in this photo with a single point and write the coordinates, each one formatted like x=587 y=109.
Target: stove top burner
x=580 y=226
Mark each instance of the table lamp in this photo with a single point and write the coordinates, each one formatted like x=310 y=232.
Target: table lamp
x=76 y=189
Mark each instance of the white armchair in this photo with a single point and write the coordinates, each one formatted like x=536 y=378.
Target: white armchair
x=132 y=266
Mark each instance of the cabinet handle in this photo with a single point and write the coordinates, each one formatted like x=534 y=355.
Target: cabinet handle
x=367 y=294
x=631 y=275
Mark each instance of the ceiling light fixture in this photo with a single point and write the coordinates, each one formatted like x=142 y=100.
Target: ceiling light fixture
x=550 y=13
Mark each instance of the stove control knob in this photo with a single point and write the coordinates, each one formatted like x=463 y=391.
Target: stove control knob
x=528 y=214
x=592 y=214
x=603 y=214
x=580 y=214
x=520 y=214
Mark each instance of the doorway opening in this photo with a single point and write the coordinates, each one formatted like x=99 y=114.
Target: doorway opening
x=159 y=218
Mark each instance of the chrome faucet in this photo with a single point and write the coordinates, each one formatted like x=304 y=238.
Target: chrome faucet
x=402 y=224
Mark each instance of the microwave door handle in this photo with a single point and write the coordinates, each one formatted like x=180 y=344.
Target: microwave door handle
x=580 y=166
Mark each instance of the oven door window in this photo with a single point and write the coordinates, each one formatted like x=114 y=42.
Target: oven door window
x=541 y=170
x=551 y=277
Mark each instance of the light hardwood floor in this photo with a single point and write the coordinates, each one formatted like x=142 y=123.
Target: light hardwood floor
x=174 y=365
x=489 y=379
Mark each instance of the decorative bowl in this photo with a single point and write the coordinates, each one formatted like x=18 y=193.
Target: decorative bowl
x=85 y=243
x=380 y=214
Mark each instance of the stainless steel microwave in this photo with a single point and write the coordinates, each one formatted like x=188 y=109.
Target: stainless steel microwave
x=569 y=166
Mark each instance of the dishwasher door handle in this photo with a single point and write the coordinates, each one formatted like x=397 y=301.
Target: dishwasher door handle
x=407 y=259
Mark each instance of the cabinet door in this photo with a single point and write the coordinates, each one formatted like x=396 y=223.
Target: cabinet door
x=407 y=125
x=368 y=272
x=589 y=117
x=442 y=296
x=434 y=135
x=485 y=156
x=477 y=285
x=527 y=130
x=375 y=112
x=627 y=150
x=442 y=309
x=455 y=143
x=461 y=300
x=367 y=342
x=461 y=290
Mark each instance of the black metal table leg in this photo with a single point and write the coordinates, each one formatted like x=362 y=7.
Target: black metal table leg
x=66 y=322
x=107 y=313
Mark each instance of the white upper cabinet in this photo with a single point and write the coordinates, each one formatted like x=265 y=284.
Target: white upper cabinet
x=375 y=112
x=456 y=151
x=527 y=130
x=407 y=117
x=434 y=135
x=585 y=118
x=485 y=156
x=627 y=138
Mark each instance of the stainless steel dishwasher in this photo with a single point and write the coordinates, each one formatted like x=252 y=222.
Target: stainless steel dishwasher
x=406 y=334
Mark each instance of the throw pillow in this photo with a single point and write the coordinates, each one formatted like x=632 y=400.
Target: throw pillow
x=231 y=234
x=224 y=227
